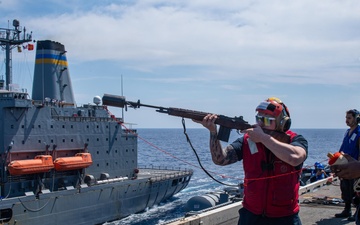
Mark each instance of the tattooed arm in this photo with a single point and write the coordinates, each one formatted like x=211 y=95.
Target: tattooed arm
x=219 y=155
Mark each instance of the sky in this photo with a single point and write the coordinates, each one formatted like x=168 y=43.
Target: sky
x=222 y=57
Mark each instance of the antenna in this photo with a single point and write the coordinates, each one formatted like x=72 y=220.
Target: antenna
x=122 y=94
x=9 y=39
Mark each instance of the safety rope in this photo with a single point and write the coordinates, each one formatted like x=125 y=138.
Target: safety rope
x=35 y=210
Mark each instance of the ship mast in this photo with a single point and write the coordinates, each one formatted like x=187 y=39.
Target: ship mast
x=9 y=39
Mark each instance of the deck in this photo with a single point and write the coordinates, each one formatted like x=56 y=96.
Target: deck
x=323 y=206
x=318 y=205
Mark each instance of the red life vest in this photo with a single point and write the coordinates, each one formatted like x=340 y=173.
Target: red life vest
x=271 y=185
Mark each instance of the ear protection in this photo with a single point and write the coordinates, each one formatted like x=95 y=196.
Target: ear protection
x=285 y=120
x=279 y=110
x=357 y=115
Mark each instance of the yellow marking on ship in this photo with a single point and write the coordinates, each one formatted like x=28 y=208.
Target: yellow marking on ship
x=52 y=61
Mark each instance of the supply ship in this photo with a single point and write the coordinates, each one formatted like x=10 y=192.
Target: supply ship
x=62 y=163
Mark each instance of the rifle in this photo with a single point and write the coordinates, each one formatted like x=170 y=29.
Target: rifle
x=226 y=123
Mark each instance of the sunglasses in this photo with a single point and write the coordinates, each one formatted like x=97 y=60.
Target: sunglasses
x=266 y=120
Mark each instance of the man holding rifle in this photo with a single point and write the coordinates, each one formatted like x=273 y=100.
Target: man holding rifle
x=272 y=168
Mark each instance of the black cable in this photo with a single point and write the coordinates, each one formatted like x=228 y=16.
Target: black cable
x=198 y=159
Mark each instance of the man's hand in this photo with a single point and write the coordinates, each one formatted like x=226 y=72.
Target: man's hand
x=256 y=134
x=209 y=122
x=350 y=170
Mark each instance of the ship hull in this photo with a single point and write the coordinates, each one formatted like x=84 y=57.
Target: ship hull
x=95 y=204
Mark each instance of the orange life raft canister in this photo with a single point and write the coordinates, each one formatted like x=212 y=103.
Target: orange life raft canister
x=79 y=161
x=41 y=164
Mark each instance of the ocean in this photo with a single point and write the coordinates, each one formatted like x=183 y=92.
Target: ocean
x=169 y=148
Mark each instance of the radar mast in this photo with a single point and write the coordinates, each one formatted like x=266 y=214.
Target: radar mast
x=9 y=39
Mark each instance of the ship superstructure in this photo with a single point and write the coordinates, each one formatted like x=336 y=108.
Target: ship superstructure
x=61 y=162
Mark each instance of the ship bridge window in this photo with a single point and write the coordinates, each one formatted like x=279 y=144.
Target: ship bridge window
x=39 y=126
x=51 y=126
x=63 y=140
x=22 y=126
x=72 y=126
x=63 y=126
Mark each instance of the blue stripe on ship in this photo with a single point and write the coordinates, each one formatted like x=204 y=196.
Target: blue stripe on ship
x=51 y=56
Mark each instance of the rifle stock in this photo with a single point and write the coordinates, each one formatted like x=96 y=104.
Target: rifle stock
x=226 y=123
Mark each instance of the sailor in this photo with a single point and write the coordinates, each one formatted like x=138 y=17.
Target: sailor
x=318 y=173
x=272 y=168
x=350 y=146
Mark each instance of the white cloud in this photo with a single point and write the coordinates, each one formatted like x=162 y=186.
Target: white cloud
x=205 y=45
x=270 y=37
